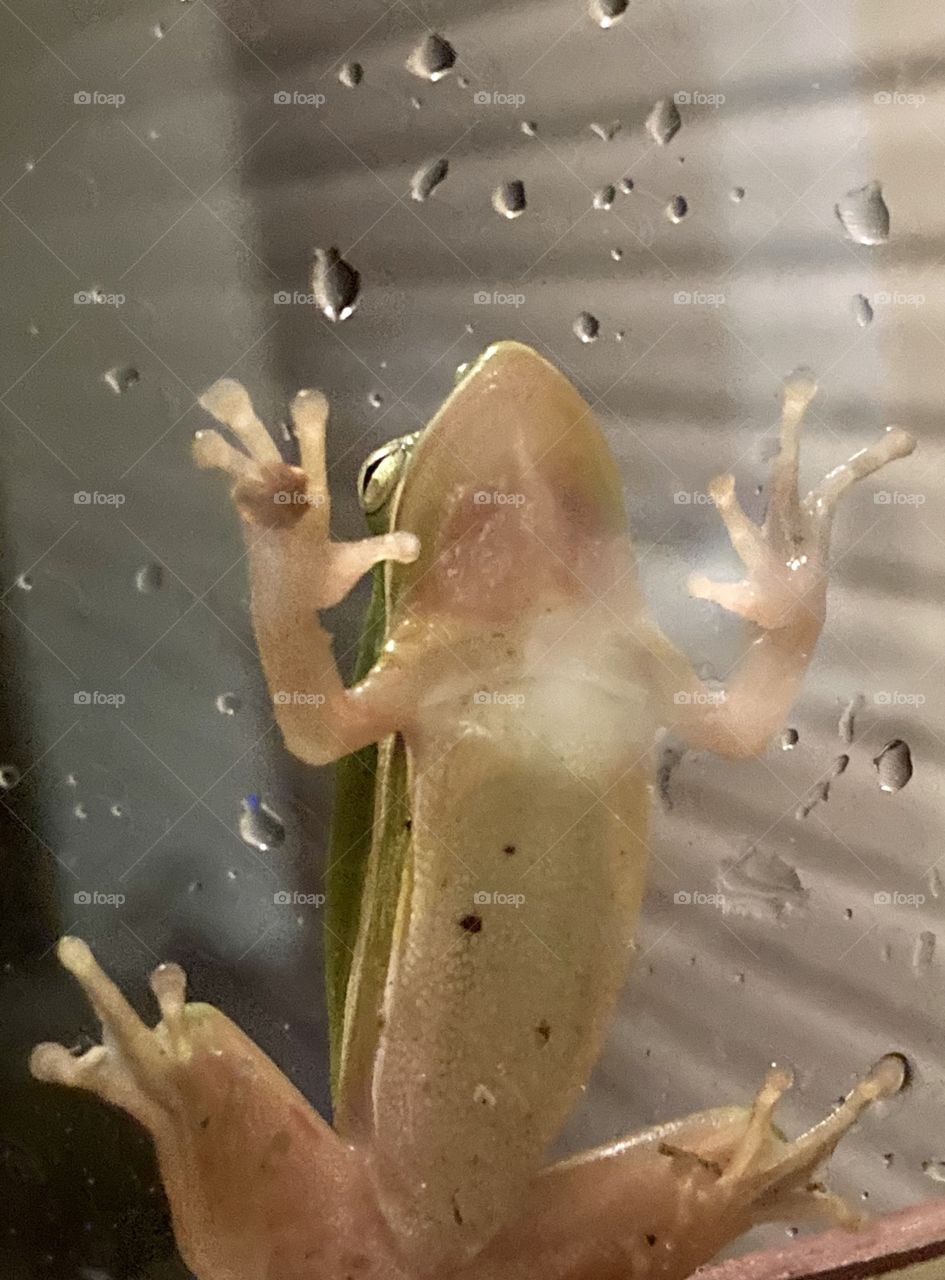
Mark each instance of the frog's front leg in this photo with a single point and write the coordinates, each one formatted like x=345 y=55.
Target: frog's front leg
x=784 y=591
x=662 y=1203
x=295 y=571
x=260 y=1187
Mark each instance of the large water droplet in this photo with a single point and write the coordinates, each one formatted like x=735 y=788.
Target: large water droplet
x=664 y=121
x=260 y=826
x=228 y=704
x=9 y=776
x=428 y=177
x=677 y=208
x=529 y=128
x=606 y=132
x=149 y=578
x=847 y=722
x=509 y=200
x=586 y=327
x=121 y=378
x=433 y=58
x=934 y=1169
x=924 y=950
x=864 y=215
x=24 y=582
x=862 y=310
x=760 y=884
x=789 y=739
x=351 y=75
x=606 y=12
x=605 y=197
x=894 y=765
x=626 y=185
x=335 y=284
x=737 y=195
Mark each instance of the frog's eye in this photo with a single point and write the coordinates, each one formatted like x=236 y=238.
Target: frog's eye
x=381 y=472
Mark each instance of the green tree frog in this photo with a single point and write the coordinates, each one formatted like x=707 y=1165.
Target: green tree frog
x=513 y=691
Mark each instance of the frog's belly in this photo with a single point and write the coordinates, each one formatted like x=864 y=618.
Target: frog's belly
x=529 y=828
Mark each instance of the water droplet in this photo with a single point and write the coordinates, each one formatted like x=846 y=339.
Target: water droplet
x=416 y=103
x=664 y=121
x=606 y=132
x=529 y=128
x=677 y=209
x=606 y=12
x=894 y=765
x=149 y=578
x=586 y=327
x=159 y=30
x=117 y=811
x=789 y=739
x=847 y=722
x=121 y=379
x=335 y=283
x=888 y=1159
x=616 y=254
x=934 y=1169
x=9 y=776
x=760 y=884
x=375 y=400
x=508 y=199
x=433 y=58
x=669 y=760
x=71 y=780
x=737 y=195
x=428 y=177
x=259 y=825
x=934 y=882
x=864 y=215
x=80 y=812
x=228 y=704
x=24 y=582
x=862 y=310
x=351 y=74
x=627 y=185
x=605 y=197
x=924 y=950
x=33 y=329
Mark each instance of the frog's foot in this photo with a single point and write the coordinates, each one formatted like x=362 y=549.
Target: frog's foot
x=290 y=504
x=786 y=558
x=767 y=1177
x=256 y=1180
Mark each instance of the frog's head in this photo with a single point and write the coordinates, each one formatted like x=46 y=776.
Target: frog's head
x=513 y=493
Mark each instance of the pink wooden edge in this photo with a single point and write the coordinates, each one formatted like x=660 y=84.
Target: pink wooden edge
x=891 y=1242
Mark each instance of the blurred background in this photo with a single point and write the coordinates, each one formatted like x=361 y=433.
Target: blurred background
x=168 y=169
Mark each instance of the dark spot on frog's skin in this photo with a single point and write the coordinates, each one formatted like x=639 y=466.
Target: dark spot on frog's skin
x=457 y=1216
x=651 y=1240
x=408 y=824
x=471 y=924
x=508 y=849
x=543 y=1033
x=204 y=1122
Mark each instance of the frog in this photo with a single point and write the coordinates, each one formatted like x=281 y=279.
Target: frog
x=511 y=695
